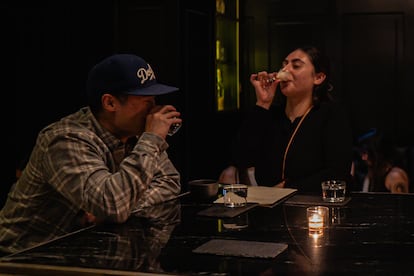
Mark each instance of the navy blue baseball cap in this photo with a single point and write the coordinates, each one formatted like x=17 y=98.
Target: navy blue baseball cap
x=126 y=74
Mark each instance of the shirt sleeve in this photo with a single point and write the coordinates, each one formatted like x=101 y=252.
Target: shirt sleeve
x=165 y=183
x=81 y=168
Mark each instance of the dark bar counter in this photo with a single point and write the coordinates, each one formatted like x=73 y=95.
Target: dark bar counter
x=372 y=234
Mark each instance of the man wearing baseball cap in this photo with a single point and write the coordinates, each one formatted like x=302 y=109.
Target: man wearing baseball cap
x=98 y=164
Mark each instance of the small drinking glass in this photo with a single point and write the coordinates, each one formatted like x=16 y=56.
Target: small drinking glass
x=173 y=129
x=333 y=190
x=283 y=75
x=235 y=195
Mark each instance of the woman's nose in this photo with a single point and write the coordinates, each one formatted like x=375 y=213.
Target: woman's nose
x=284 y=68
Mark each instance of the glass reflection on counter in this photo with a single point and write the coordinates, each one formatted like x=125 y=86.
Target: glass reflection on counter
x=237 y=223
x=337 y=215
x=135 y=245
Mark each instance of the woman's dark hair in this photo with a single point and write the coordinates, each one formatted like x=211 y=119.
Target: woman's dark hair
x=321 y=92
x=382 y=155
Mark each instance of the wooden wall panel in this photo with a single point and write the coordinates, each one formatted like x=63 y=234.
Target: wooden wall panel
x=372 y=82
x=150 y=29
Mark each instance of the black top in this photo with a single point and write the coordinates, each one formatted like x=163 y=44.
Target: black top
x=320 y=150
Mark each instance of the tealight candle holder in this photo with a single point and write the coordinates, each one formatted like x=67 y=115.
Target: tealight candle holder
x=317 y=219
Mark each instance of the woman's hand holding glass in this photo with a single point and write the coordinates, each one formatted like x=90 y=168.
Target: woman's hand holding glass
x=264 y=84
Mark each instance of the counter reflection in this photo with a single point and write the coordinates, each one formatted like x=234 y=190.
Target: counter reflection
x=134 y=246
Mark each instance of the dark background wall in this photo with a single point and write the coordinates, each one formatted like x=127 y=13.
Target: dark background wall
x=52 y=44
x=371 y=46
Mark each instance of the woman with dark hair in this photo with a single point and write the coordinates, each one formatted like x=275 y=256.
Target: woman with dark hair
x=379 y=168
x=299 y=137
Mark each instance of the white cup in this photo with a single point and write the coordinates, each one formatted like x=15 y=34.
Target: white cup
x=333 y=190
x=235 y=195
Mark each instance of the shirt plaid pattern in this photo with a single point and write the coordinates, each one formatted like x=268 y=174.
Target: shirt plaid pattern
x=73 y=169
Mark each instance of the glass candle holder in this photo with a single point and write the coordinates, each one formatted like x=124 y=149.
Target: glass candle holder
x=317 y=219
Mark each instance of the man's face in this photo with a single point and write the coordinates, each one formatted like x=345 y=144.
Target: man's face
x=131 y=116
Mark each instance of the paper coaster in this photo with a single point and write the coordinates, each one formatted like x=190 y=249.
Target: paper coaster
x=220 y=211
x=240 y=248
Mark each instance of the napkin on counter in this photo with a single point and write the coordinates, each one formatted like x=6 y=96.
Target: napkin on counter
x=265 y=196
x=241 y=248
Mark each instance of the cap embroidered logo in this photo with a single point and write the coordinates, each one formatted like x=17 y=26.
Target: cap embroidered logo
x=145 y=74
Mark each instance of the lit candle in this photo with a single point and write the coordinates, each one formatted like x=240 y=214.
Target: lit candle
x=315 y=222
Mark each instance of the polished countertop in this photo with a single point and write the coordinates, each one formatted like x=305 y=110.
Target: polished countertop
x=372 y=234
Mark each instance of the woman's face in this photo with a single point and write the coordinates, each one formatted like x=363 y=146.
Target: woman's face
x=304 y=78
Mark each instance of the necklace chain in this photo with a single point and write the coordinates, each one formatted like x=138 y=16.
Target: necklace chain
x=290 y=141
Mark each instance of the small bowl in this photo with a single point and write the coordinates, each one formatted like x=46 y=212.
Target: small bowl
x=204 y=189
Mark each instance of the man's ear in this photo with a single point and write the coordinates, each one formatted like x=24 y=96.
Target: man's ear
x=319 y=78
x=108 y=102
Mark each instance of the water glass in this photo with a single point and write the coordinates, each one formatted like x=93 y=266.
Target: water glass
x=173 y=129
x=235 y=195
x=333 y=190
